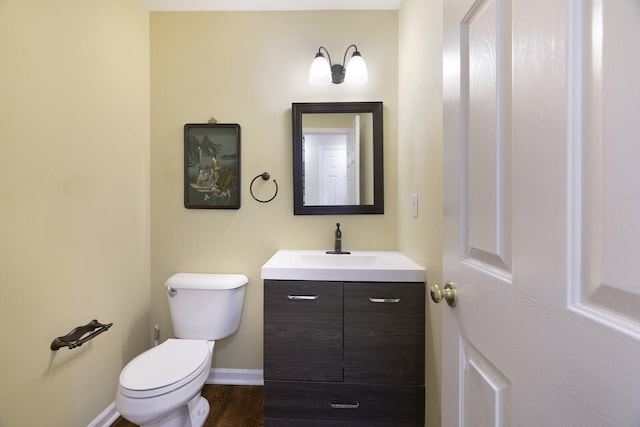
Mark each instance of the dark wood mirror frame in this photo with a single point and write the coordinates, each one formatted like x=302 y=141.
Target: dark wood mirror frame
x=297 y=110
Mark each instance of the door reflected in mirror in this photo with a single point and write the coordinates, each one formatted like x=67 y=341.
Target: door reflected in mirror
x=338 y=158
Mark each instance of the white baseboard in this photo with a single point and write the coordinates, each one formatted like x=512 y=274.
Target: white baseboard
x=216 y=376
x=106 y=417
x=236 y=376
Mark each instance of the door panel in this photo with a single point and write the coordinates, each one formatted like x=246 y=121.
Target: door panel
x=486 y=59
x=486 y=391
x=541 y=200
x=607 y=287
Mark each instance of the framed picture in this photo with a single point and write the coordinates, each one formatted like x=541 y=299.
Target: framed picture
x=212 y=166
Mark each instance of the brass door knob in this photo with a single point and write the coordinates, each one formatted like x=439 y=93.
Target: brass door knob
x=448 y=294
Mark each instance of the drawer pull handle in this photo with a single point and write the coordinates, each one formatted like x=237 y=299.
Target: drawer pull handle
x=384 y=300
x=344 y=405
x=302 y=297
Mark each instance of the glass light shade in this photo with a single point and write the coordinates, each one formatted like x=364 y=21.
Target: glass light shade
x=320 y=71
x=356 y=72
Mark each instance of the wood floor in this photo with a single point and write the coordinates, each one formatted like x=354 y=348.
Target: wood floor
x=231 y=406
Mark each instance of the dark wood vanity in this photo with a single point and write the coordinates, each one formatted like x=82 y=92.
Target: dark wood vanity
x=344 y=353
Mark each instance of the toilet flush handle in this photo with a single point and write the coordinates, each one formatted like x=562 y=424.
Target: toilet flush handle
x=171 y=292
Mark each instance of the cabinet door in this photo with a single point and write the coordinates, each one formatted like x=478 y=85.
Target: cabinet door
x=384 y=333
x=303 y=330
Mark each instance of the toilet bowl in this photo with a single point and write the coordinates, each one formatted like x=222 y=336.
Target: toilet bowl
x=159 y=381
x=161 y=387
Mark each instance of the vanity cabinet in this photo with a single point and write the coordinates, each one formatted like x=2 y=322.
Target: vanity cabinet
x=345 y=353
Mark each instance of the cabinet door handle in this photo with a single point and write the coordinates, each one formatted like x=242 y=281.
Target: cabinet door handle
x=344 y=405
x=302 y=297
x=384 y=300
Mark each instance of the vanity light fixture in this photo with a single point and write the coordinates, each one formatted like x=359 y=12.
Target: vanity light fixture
x=323 y=72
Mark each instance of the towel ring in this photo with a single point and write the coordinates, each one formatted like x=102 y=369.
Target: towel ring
x=265 y=176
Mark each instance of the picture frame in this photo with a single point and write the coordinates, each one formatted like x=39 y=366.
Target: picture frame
x=212 y=166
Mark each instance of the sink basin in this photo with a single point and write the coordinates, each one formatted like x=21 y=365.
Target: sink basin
x=369 y=266
x=342 y=260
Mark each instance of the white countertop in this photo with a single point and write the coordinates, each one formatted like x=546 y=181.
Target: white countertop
x=358 y=266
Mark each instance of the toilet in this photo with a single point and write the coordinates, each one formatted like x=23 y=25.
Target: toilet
x=161 y=387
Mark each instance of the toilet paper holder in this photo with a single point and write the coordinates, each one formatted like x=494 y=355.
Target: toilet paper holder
x=78 y=336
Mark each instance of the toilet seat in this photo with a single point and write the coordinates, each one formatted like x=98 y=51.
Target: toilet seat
x=164 y=368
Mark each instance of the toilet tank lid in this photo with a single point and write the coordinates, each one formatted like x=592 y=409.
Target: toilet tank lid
x=206 y=281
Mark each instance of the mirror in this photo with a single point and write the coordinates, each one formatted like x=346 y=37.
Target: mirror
x=337 y=158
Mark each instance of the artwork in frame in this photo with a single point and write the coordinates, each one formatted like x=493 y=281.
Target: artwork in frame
x=212 y=166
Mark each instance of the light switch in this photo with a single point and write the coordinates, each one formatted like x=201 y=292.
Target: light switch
x=414 y=204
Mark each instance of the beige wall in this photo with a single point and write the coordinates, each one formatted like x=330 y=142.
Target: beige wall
x=74 y=203
x=247 y=68
x=420 y=163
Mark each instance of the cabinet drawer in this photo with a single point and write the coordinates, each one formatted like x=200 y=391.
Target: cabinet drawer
x=303 y=332
x=384 y=330
x=325 y=404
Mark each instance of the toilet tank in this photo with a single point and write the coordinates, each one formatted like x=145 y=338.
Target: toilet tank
x=205 y=306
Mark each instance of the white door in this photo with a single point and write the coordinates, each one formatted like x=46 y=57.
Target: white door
x=333 y=173
x=542 y=213
x=353 y=162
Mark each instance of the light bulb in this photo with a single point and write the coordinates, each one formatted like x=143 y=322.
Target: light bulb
x=320 y=71
x=356 y=72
